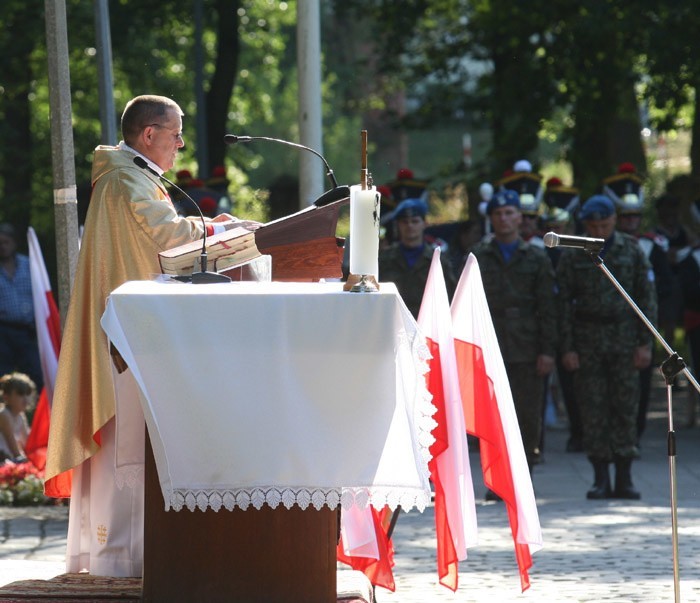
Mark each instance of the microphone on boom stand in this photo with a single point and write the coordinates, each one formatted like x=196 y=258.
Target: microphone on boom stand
x=203 y=276
x=334 y=194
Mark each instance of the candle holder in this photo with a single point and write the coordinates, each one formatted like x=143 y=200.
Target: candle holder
x=366 y=283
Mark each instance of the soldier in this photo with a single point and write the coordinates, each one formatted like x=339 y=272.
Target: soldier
x=604 y=341
x=528 y=186
x=519 y=286
x=625 y=189
x=407 y=261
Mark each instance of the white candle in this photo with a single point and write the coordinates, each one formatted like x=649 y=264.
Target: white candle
x=364 y=231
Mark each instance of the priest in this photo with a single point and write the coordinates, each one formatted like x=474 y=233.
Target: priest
x=129 y=220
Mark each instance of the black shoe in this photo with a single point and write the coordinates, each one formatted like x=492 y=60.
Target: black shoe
x=491 y=496
x=623 y=481
x=601 y=485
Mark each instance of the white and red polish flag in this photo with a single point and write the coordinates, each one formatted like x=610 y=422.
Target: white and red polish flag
x=455 y=511
x=48 y=330
x=490 y=414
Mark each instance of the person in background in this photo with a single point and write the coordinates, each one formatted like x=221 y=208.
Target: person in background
x=605 y=343
x=19 y=349
x=467 y=234
x=558 y=221
x=18 y=392
x=527 y=185
x=407 y=261
x=129 y=220
x=519 y=285
x=625 y=189
x=688 y=271
x=678 y=240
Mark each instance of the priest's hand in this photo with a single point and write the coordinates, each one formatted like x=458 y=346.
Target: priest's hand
x=247 y=224
x=229 y=222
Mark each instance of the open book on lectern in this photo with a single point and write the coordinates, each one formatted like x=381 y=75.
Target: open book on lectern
x=303 y=246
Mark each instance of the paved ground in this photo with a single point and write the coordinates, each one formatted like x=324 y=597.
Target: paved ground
x=594 y=551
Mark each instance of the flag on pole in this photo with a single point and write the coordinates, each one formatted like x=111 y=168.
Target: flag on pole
x=490 y=414
x=455 y=511
x=365 y=544
x=48 y=330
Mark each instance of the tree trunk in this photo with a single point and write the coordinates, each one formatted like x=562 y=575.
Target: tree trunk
x=221 y=86
x=625 y=135
x=695 y=137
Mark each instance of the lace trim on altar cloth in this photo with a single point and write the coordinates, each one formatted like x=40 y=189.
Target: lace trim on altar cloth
x=424 y=409
x=302 y=497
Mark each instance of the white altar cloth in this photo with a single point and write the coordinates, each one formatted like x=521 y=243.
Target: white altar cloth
x=292 y=393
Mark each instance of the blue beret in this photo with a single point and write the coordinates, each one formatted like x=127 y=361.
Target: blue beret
x=503 y=198
x=598 y=207
x=409 y=208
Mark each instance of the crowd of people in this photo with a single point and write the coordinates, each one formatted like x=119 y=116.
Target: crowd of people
x=558 y=318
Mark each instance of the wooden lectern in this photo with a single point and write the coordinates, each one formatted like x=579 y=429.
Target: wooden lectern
x=267 y=555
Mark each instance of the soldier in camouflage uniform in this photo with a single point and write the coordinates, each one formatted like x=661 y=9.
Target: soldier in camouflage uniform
x=519 y=285
x=406 y=262
x=606 y=343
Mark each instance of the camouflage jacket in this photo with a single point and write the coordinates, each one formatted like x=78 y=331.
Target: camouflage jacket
x=593 y=313
x=521 y=298
x=411 y=281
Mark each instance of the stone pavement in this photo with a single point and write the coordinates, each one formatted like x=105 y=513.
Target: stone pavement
x=594 y=551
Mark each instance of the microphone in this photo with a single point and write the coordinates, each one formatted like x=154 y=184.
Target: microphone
x=197 y=277
x=336 y=193
x=551 y=239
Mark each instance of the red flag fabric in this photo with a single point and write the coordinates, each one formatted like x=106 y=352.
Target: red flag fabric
x=377 y=569
x=490 y=414
x=455 y=511
x=48 y=329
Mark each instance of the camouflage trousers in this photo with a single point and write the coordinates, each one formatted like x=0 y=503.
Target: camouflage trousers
x=607 y=392
x=528 y=398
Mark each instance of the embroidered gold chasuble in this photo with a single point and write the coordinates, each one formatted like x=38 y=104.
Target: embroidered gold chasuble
x=130 y=219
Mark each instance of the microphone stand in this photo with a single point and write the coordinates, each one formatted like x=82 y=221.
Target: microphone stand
x=670 y=368
x=202 y=277
x=333 y=194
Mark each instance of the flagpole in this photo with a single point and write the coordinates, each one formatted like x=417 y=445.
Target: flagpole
x=670 y=368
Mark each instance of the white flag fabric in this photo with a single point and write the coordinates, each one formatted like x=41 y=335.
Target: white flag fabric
x=45 y=314
x=490 y=414
x=455 y=511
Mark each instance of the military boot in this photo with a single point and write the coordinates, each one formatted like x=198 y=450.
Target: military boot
x=601 y=485
x=623 y=480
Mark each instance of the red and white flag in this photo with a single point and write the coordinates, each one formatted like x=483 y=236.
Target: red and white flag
x=490 y=414
x=455 y=511
x=365 y=544
x=48 y=330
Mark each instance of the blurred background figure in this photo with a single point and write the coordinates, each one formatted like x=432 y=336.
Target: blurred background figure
x=407 y=261
x=467 y=234
x=19 y=350
x=688 y=271
x=17 y=392
x=678 y=240
x=625 y=189
x=528 y=185
x=561 y=383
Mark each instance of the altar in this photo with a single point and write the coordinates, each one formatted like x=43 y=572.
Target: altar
x=259 y=398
